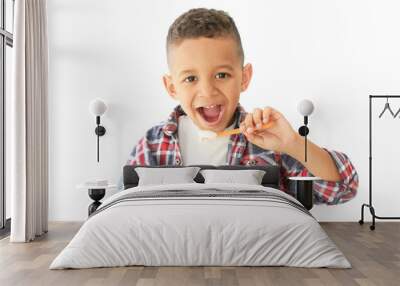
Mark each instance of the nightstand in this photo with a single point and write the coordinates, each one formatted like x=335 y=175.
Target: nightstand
x=96 y=193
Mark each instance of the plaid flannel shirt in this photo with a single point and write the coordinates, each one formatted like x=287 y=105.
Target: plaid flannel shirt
x=160 y=147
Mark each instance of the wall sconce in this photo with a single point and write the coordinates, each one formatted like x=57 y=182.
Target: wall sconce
x=97 y=107
x=302 y=187
x=305 y=107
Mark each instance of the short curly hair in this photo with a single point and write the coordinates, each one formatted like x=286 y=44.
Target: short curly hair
x=203 y=22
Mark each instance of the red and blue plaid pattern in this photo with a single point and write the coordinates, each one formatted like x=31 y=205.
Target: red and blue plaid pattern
x=160 y=147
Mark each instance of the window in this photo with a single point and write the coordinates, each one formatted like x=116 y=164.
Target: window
x=6 y=44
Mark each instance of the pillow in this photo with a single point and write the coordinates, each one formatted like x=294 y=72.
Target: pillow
x=162 y=176
x=249 y=177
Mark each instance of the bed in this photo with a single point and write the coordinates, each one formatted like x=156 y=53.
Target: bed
x=201 y=224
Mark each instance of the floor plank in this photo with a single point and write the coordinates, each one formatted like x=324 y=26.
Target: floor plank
x=374 y=255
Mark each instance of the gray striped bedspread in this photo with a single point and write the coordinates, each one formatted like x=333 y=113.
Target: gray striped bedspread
x=201 y=225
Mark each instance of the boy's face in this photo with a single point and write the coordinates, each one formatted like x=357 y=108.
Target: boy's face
x=207 y=77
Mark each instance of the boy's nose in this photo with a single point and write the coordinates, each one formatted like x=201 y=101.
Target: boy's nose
x=207 y=89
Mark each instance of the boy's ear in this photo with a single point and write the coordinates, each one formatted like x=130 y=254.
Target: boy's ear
x=169 y=86
x=247 y=73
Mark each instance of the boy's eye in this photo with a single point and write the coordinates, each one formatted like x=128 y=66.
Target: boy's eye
x=222 y=75
x=190 y=78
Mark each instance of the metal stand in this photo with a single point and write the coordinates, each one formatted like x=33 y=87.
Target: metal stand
x=369 y=205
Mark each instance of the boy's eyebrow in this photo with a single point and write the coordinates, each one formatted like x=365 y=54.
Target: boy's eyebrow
x=186 y=71
x=229 y=67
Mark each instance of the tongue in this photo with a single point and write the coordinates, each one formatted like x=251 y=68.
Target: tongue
x=212 y=113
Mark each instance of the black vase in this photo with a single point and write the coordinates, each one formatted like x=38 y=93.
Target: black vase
x=302 y=189
x=96 y=195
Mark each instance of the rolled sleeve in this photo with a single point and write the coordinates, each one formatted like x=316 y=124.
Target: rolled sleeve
x=326 y=192
x=333 y=193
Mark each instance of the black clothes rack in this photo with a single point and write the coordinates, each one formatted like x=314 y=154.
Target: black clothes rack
x=369 y=205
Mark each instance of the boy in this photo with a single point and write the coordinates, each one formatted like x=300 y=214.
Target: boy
x=207 y=75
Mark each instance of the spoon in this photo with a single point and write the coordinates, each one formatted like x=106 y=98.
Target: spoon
x=210 y=135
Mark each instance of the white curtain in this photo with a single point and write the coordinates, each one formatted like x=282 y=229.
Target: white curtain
x=28 y=122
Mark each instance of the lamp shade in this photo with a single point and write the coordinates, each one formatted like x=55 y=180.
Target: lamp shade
x=97 y=107
x=305 y=107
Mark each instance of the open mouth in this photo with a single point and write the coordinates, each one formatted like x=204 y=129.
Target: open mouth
x=212 y=114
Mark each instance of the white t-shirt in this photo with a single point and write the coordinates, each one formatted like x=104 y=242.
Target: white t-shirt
x=195 y=151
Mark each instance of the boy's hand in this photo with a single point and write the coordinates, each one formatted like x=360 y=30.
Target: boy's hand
x=280 y=137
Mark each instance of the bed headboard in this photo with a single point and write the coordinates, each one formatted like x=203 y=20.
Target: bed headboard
x=270 y=179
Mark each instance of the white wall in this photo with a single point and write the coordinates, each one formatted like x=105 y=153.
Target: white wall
x=335 y=53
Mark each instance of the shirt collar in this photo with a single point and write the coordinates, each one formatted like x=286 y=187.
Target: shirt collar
x=171 y=125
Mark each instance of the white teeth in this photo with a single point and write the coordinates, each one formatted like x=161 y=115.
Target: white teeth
x=211 y=106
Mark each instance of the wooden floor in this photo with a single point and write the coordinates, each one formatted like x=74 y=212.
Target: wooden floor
x=374 y=255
